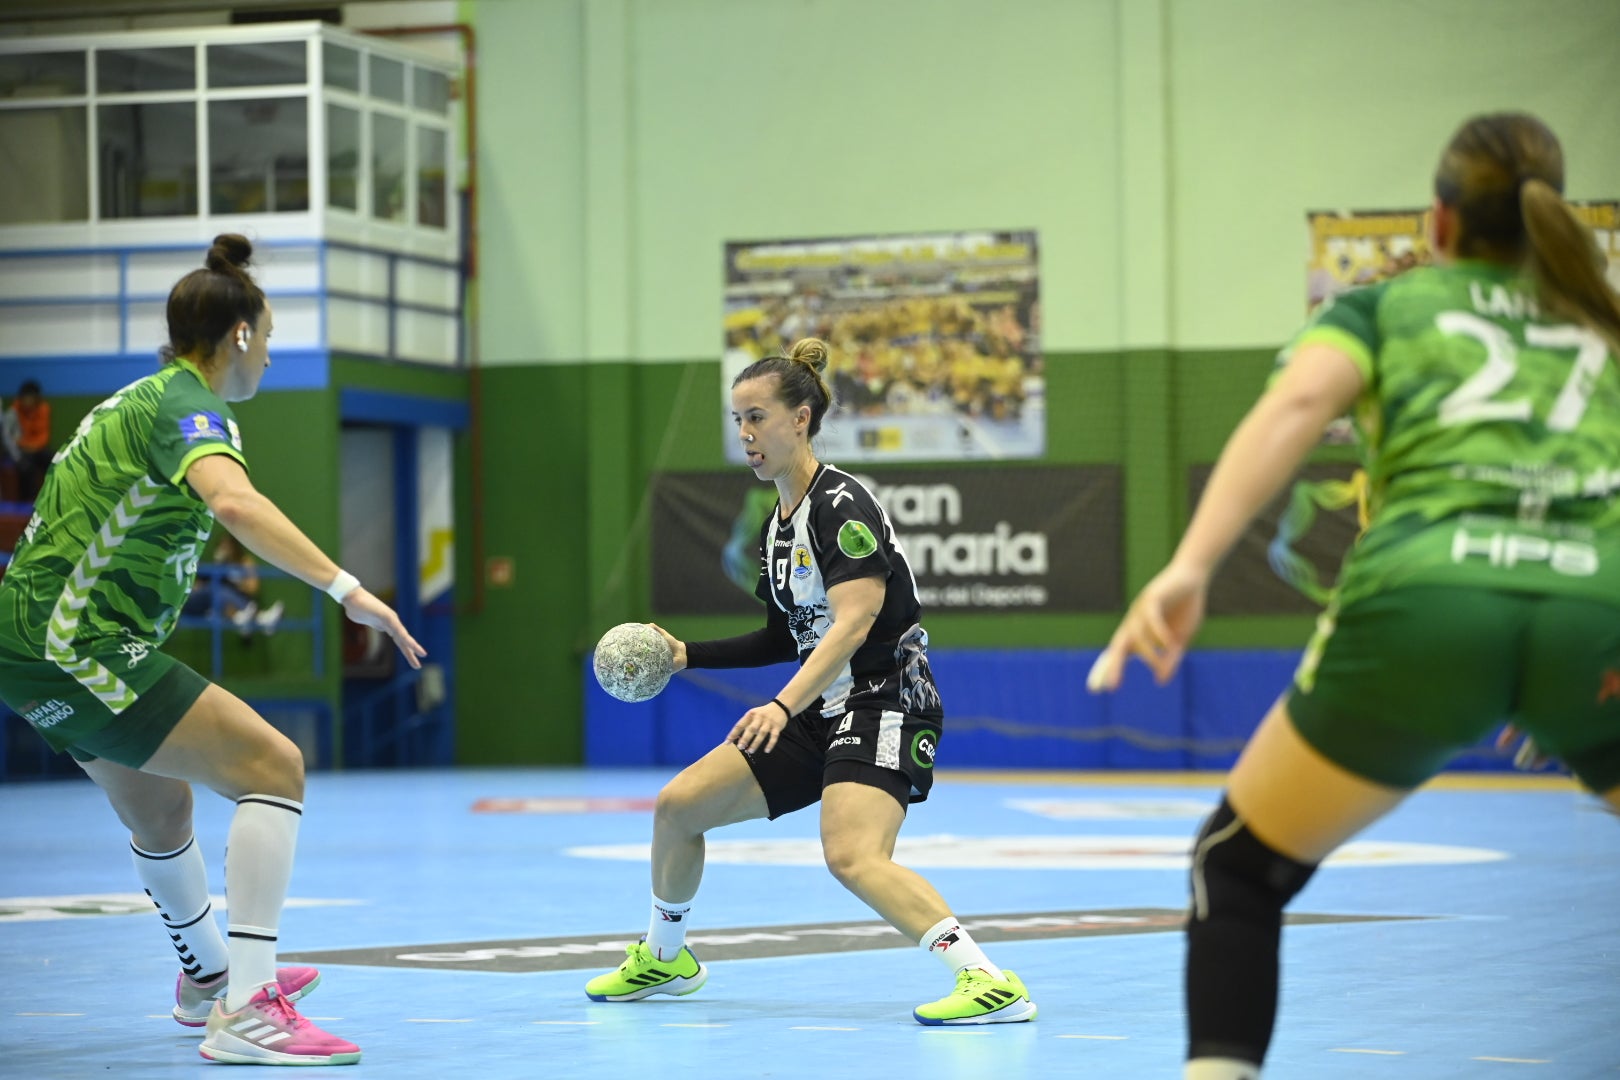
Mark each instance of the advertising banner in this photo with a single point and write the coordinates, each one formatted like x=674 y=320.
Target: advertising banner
x=1029 y=539
x=935 y=339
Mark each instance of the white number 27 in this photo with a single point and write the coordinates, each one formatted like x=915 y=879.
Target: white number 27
x=1474 y=399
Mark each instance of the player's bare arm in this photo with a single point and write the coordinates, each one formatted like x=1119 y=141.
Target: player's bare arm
x=221 y=482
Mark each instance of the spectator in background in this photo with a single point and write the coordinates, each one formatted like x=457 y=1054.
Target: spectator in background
x=26 y=430
x=235 y=591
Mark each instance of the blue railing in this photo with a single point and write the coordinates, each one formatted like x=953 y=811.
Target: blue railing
x=219 y=625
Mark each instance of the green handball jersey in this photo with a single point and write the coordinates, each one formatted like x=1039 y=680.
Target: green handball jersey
x=1490 y=432
x=111 y=552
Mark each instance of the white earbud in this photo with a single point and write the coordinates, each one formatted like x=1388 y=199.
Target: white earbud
x=241 y=340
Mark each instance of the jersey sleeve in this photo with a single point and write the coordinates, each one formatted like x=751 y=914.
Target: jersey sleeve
x=847 y=529
x=1349 y=323
x=190 y=424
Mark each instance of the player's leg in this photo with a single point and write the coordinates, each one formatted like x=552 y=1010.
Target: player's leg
x=1385 y=697
x=222 y=743
x=862 y=809
x=718 y=789
x=1286 y=808
x=171 y=868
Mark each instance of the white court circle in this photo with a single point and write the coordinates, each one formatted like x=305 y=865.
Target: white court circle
x=1042 y=853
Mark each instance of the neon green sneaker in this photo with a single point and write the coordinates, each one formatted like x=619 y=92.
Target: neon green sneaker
x=979 y=999
x=642 y=975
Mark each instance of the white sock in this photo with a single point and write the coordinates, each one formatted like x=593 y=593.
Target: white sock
x=177 y=882
x=955 y=947
x=666 y=931
x=1221 y=1069
x=258 y=866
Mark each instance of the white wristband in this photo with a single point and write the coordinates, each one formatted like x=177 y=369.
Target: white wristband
x=342 y=585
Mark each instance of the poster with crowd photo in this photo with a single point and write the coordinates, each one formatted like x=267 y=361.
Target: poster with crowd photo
x=935 y=339
x=1361 y=247
x=1303 y=538
x=1036 y=538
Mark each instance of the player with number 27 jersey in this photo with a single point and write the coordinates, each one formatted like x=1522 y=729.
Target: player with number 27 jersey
x=838 y=533
x=1491 y=432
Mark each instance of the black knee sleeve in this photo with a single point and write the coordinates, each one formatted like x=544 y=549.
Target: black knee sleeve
x=1235 y=873
x=1234 y=931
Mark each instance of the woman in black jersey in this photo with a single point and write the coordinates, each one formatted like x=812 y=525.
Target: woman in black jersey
x=855 y=728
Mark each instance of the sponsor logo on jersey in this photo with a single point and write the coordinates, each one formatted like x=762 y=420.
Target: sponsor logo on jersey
x=801 y=561
x=49 y=714
x=236 y=433
x=136 y=651
x=856 y=540
x=840 y=493
x=203 y=425
x=847 y=740
x=923 y=745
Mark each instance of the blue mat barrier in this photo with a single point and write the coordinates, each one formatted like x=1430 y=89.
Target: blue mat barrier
x=1003 y=709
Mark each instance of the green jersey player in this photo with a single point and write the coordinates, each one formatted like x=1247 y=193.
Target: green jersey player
x=1485 y=587
x=96 y=586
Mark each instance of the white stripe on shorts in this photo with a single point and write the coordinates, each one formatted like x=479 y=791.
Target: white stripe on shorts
x=888 y=740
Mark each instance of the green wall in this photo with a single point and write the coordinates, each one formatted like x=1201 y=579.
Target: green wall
x=1165 y=150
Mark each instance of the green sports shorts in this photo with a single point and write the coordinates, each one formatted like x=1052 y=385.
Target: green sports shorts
x=119 y=703
x=1395 y=685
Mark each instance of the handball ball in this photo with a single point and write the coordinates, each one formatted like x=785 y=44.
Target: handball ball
x=633 y=661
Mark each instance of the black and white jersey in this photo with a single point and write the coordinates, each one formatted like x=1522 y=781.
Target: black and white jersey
x=839 y=533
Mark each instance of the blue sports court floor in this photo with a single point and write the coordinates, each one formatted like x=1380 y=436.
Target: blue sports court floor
x=456 y=915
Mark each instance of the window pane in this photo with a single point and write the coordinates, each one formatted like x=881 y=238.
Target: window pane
x=387 y=167
x=44 y=165
x=432 y=91
x=342 y=157
x=120 y=71
x=148 y=159
x=258 y=155
x=59 y=74
x=432 y=168
x=387 y=79
x=342 y=67
x=266 y=63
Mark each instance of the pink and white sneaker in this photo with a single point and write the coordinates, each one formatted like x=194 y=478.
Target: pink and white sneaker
x=269 y=1031
x=194 y=1000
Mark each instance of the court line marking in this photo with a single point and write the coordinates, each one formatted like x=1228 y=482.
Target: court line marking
x=695 y=1025
x=1517 y=1061
x=566 y=1023
x=812 y=1027
x=1361 y=1050
x=1457 y=781
x=54 y=1014
x=1109 y=1038
x=433 y=1020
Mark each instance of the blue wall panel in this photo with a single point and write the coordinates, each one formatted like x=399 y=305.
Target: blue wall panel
x=1004 y=709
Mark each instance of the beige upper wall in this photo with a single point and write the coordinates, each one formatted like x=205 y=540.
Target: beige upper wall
x=1278 y=107
x=1173 y=145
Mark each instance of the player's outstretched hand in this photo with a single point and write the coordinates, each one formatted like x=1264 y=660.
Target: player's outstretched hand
x=758 y=728
x=1158 y=627
x=676 y=646
x=367 y=610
